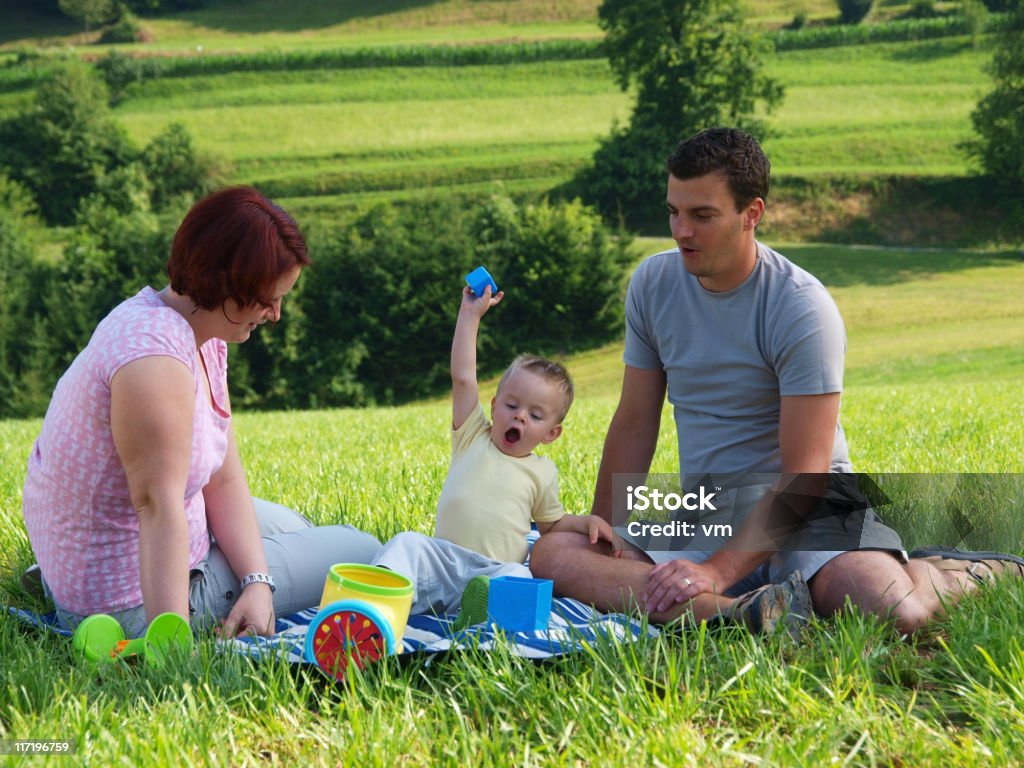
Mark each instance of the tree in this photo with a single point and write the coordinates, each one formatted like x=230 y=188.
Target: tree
x=999 y=116
x=693 y=67
x=21 y=394
x=110 y=255
x=89 y=12
x=567 y=269
x=65 y=143
x=853 y=11
x=174 y=166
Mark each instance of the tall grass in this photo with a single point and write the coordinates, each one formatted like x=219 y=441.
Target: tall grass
x=851 y=693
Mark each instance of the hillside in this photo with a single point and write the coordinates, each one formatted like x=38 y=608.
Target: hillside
x=236 y=25
x=330 y=106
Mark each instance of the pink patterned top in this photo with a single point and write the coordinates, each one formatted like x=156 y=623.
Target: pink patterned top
x=80 y=519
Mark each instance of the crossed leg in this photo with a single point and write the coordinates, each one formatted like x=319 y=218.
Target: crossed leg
x=909 y=594
x=588 y=573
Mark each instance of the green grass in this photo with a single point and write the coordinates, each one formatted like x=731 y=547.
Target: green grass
x=898 y=108
x=941 y=395
x=261 y=24
x=383 y=84
x=331 y=139
x=258 y=24
x=932 y=386
x=889 y=109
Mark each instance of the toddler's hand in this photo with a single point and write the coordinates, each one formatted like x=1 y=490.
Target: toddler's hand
x=598 y=528
x=478 y=305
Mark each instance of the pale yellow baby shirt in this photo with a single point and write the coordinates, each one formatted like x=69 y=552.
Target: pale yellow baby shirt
x=489 y=498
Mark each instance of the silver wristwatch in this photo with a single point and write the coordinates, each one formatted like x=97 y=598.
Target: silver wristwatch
x=257 y=578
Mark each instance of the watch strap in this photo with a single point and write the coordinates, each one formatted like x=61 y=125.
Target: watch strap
x=257 y=578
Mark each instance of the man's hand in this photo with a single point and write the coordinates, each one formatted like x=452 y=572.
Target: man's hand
x=678 y=581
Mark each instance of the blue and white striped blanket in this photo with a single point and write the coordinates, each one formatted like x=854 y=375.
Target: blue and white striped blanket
x=572 y=626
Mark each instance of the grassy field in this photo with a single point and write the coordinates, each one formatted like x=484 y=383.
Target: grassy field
x=346 y=137
x=934 y=340
x=875 y=129
x=260 y=24
x=328 y=139
x=932 y=393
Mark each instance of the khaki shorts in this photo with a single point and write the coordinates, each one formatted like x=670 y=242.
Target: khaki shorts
x=835 y=528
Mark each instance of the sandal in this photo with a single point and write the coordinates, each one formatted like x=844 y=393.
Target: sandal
x=767 y=608
x=983 y=567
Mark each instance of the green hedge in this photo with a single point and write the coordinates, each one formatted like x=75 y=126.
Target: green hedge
x=367 y=58
x=355 y=182
x=371 y=320
x=901 y=30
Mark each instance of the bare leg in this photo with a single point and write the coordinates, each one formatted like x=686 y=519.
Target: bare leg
x=909 y=594
x=588 y=573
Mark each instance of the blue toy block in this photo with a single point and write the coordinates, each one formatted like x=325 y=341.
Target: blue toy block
x=479 y=279
x=520 y=605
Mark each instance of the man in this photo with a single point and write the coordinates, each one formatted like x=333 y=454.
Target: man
x=749 y=349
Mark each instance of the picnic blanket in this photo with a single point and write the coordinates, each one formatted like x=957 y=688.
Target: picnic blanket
x=572 y=626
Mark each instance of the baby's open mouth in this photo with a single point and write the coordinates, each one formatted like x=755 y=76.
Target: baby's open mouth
x=512 y=435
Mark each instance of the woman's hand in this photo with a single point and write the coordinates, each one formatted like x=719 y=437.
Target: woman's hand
x=252 y=614
x=233 y=523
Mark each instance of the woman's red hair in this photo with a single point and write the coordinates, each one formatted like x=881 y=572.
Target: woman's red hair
x=234 y=244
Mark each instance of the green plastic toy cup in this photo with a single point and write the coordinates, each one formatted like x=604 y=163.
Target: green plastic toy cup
x=99 y=638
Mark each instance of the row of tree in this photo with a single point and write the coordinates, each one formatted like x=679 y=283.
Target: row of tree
x=370 y=321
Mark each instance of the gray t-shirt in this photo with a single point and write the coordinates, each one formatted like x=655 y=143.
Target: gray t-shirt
x=730 y=356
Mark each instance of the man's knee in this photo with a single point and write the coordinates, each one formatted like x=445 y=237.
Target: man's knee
x=548 y=554
x=876 y=583
x=910 y=614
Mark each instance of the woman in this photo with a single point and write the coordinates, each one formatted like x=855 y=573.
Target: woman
x=135 y=501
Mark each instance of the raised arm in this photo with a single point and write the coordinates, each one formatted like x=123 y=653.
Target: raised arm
x=465 y=393
x=632 y=435
x=151 y=405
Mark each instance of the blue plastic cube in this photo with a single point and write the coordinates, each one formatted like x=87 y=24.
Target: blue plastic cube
x=479 y=279
x=520 y=605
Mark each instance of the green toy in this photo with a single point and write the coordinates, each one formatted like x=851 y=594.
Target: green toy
x=100 y=638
